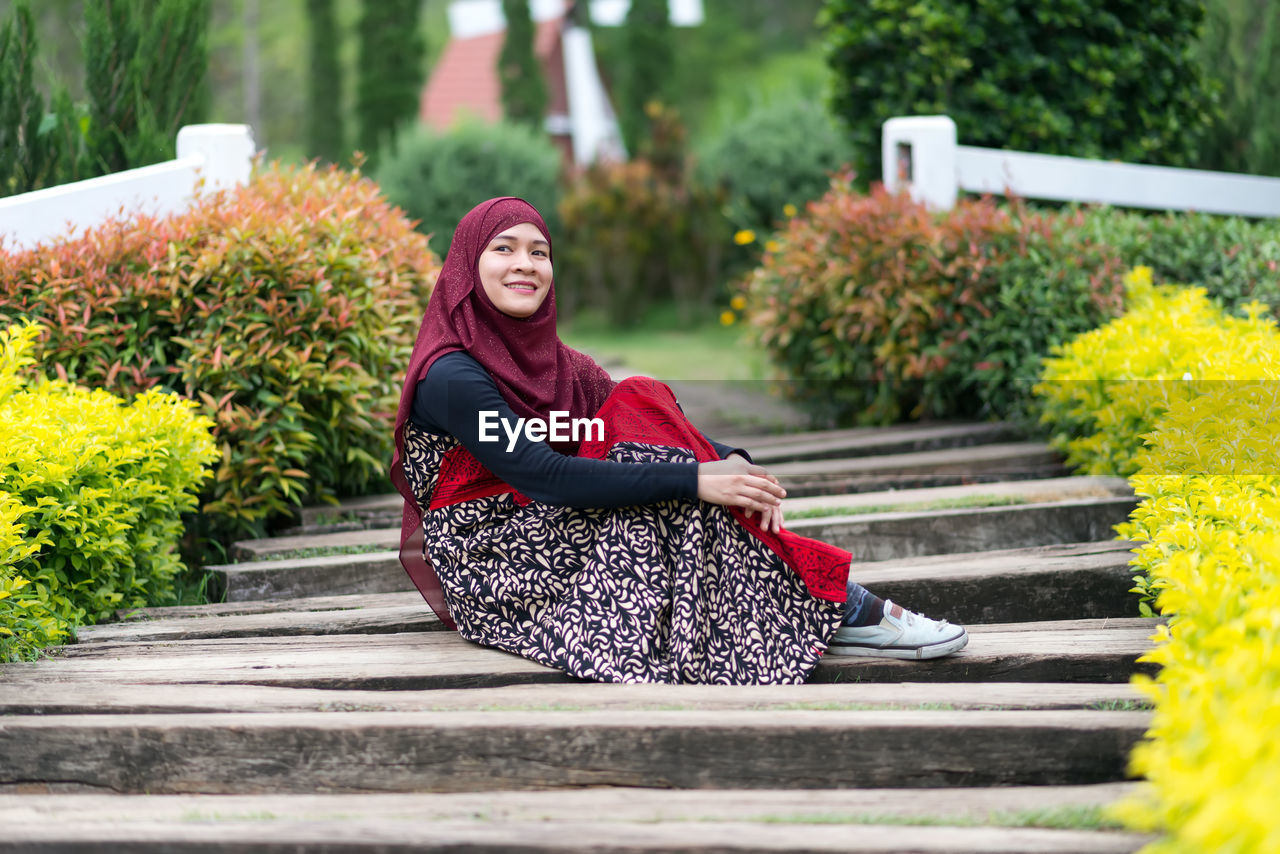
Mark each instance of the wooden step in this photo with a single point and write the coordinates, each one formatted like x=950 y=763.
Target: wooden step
x=891 y=536
x=869 y=536
x=560 y=837
x=1068 y=651
x=871 y=441
x=769 y=450
x=608 y=804
x=1015 y=585
x=376 y=820
x=1029 y=491
x=1059 y=582
x=1006 y=461
x=120 y=697
x=470 y=751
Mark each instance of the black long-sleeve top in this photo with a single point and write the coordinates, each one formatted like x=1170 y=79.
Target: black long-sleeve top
x=456 y=389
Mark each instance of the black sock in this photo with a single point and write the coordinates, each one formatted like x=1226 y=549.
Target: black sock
x=862 y=608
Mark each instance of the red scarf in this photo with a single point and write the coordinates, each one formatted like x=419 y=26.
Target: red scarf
x=534 y=370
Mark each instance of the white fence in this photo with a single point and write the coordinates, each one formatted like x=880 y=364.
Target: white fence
x=220 y=154
x=920 y=152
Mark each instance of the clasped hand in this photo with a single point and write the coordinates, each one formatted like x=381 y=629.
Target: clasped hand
x=737 y=483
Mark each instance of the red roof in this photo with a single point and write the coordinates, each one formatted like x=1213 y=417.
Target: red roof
x=465 y=80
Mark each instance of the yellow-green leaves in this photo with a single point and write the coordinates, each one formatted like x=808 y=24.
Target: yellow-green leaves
x=1204 y=453
x=91 y=492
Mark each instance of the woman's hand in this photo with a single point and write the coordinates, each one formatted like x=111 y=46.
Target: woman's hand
x=737 y=483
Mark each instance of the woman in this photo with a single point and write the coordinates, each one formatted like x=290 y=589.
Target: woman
x=635 y=551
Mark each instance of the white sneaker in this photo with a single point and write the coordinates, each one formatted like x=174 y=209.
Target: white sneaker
x=900 y=634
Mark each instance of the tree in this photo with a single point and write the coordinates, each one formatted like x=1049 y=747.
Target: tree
x=1241 y=50
x=23 y=161
x=524 y=92
x=1111 y=79
x=326 y=130
x=145 y=68
x=390 y=80
x=648 y=67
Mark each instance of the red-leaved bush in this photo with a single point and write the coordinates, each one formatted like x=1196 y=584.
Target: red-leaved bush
x=875 y=309
x=285 y=307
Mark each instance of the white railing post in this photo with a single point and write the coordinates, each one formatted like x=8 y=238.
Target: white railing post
x=919 y=154
x=227 y=151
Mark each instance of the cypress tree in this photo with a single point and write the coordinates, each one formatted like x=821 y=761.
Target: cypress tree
x=23 y=161
x=145 y=68
x=649 y=61
x=524 y=92
x=390 y=79
x=325 y=127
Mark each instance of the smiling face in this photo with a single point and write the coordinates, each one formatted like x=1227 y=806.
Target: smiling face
x=515 y=270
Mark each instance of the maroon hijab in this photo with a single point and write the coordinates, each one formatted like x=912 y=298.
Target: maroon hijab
x=534 y=370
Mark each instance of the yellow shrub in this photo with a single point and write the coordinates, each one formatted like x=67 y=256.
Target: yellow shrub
x=1103 y=391
x=1209 y=534
x=92 y=490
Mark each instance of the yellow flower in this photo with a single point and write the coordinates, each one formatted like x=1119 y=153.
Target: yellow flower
x=789 y=209
x=745 y=236
x=771 y=246
x=738 y=303
x=727 y=318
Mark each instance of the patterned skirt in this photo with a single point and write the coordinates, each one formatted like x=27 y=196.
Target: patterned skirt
x=679 y=591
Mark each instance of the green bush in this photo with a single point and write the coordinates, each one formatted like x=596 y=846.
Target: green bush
x=779 y=154
x=436 y=177
x=878 y=310
x=643 y=231
x=1236 y=260
x=91 y=495
x=1093 y=78
x=283 y=307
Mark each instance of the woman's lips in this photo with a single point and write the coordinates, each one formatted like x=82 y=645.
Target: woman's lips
x=523 y=287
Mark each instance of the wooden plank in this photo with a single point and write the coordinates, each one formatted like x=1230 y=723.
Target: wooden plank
x=870 y=537
x=466 y=751
x=570 y=837
x=341 y=602
x=1017 y=585
x=1098 y=651
x=890 y=536
x=412 y=617
x=376 y=572
x=1057 y=582
x=606 y=804
x=1006 y=461
x=1048 y=489
x=110 y=696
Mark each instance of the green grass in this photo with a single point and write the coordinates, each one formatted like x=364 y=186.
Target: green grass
x=659 y=347
x=910 y=506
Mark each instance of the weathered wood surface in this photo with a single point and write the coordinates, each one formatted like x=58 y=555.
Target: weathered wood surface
x=1006 y=461
x=116 y=697
x=568 y=837
x=1049 y=489
x=1018 y=585
x=1030 y=491
x=1078 y=580
x=1073 y=651
x=640 y=805
x=376 y=572
x=890 y=536
x=870 y=537
x=469 y=751
x=342 y=602
x=871 y=441
x=411 y=617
